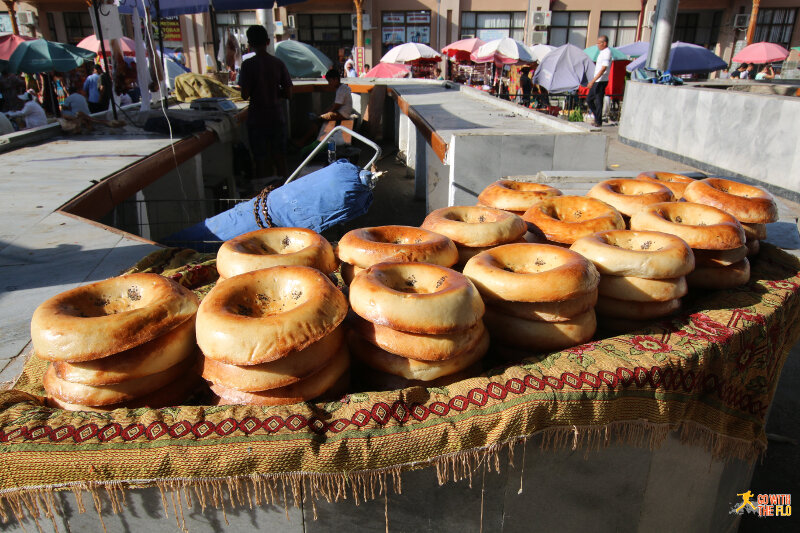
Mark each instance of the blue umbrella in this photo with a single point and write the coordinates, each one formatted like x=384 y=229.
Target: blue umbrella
x=686 y=58
x=564 y=69
x=639 y=48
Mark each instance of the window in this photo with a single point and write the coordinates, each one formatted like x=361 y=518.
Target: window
x=619 y=26
x=493 y=25
x=686 y=27
x=569 y=27
x=775 y=26
x=327 y=32
x=78 y=26
x=398 y=27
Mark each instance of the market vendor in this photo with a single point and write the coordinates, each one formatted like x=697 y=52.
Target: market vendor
x=32 y=112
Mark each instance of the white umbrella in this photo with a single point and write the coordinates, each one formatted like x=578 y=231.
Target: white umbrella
x=403 y=53
x=503 y=51
x=538 y=51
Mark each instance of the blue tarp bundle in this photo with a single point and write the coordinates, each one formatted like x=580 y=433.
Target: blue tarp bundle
x=337 y=193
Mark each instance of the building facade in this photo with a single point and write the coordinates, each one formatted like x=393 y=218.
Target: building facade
x=719 y=25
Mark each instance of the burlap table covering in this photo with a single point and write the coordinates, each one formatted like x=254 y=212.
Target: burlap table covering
x=709 y=373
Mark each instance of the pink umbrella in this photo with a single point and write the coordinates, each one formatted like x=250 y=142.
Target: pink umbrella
x=505 y=51
x=9 y=43
x=389 y=70
x=761 y=53
x=461 y=50
x=93 y=43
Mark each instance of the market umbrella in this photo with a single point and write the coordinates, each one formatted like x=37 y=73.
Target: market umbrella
x=302 y=60
x=593 y=52
x=407 y=52
x=639 y=48
x=538 y=51
x=564 y=69
x=9 y=43
x=40 y=55
x=93 y=43
x=461 y=50
x=686 y=58
x=761 y=53
x=389 y=70
x=505 y=51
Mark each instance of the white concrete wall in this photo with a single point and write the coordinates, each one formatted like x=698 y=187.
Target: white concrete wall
x=741 y=134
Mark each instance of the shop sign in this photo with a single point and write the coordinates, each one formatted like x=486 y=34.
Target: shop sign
x=418 y=34
x=393 y=34
x=394 y=18
x=418 y=18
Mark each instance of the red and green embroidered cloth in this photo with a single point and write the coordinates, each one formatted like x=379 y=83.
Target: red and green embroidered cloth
x=710 y=372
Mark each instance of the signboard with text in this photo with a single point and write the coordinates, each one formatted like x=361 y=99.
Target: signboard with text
x=171 y=28
x=360 y=60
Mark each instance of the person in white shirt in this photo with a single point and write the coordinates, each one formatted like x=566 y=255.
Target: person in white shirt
x=74 y=103
x=342 y=106
x=597 y=85
x=350 y=68
x=32 y=112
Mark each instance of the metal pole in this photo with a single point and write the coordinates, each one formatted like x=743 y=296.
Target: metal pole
x=105 y=57
x=661 y=36
x=160 y=37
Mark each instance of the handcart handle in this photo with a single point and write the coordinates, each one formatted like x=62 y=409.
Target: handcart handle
x=323 y=144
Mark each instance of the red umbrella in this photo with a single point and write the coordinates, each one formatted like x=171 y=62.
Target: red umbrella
x=93 y=43
x=9 y=43
x=761 y=53
x=461 y=50
x=389 y=70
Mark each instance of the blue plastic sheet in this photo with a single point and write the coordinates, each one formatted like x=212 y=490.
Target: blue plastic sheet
x=337 y=193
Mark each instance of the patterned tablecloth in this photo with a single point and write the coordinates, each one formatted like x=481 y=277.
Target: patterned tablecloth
x=709 y=373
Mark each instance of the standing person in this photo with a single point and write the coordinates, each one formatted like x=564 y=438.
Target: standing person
x=32 y=112
x=91 y=86
x=526 y=85
x=350 y=68
x=265 y=80
x=597 y=85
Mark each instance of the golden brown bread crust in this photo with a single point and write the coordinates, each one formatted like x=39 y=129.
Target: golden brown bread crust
x=108 y=317
x=641 y=289
x=304 y=390
x=98 y=395
x=547 y=311
x=384 y=361
x=566 y=219
x=717 y=278
x=531 y=273
x=290 y=369
x=646 y=254
x=629 y=196
x=370 y=379
x=418 y=346
x=753 y=247
x=146 y=359
x=515 y=196
x=754 y=232
x=607 y=306
x=416 y=298
x=677 y=183
x=269 y=247
x=466 y=253
x=701 y=226
x=540 y=336
x=365 y=247
x=171 y=394
x=263 y=315
x=475 y=226
x=747 y=203
x=348 y=272
x=718 y=258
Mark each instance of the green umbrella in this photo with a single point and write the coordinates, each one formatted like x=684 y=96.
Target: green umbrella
x=302 y=60
x=40 y=55
x=796 y=48
x=593 y=52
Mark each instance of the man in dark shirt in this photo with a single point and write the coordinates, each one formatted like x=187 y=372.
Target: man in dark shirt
x=526 y=85
x=264 y=81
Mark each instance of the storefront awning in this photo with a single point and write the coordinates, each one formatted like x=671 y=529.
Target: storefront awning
x=168 y=8
x=234 y=5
